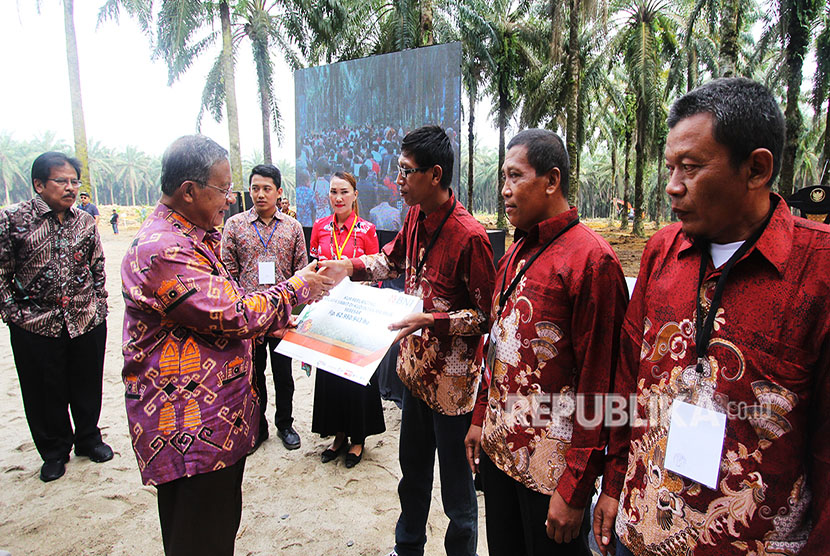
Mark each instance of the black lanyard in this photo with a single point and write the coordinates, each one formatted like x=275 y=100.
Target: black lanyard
x=703 y=329
x=432 y=240
x=505 y=295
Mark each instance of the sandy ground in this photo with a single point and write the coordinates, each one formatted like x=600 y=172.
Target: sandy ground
x=293 y=504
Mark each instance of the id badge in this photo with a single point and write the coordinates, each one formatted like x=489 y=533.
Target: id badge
x=267 y=272
x=695 y=442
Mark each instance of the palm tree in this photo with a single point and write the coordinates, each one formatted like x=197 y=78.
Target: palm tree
x=646 y=39
x=12 y=170
x=821 y=91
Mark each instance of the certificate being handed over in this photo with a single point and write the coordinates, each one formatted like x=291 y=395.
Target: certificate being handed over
x=347 y=333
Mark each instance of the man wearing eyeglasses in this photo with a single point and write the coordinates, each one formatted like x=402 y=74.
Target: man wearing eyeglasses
x=447 y=260
x=53 y=299
x=191 y=405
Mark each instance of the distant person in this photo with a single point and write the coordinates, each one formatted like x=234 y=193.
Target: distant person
x=192 y=410
x=114 y=221
x=367 y=191
x=729 y=320
x=53 y=299
x=88 y=207
x=285 y=207
x=306 y=209
x=448 y=262
x=321 y=189
x=262 y=247
x=556 y=326
x=343 y=408
x=384 y=216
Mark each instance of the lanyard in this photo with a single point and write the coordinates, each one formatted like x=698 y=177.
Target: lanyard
x=703 y=328
x=505 y=295
x=338 y=251
x=265 y=243
x=432 y=240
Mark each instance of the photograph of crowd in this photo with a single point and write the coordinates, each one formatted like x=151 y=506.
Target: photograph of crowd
x=351 y=117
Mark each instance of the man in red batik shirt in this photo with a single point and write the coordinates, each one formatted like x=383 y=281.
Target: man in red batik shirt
x=729 y=322
x=447 y=261
x=558 y=306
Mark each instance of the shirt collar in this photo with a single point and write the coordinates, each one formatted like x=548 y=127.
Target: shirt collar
x=253 y=215
x=42 y=209
x=347 y=225
x=433 y=220
x=178 y=220
x=546 y=229
x=775 y=244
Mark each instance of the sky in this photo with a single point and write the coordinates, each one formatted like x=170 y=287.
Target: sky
x=125 y=94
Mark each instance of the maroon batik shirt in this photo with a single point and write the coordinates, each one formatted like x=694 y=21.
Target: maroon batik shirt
x=442 y=367
x=243 y=249
x=554 y=346
x=766 y=367
x=187 y=349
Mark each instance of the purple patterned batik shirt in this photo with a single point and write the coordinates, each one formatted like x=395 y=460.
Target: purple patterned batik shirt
x=187 y=349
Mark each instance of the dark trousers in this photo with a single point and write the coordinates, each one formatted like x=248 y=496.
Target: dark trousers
x=622 y=550
x=57 y=374
x=515 y=517
x=283 y=384
x=201 y=514
x=422 y=432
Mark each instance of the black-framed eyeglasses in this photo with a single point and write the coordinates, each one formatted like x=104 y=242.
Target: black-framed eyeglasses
x=405 y=172
x=63 y=182
x=229 y=192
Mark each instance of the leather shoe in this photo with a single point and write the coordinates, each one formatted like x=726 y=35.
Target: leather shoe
x=99 y=453
x=329 y=454
x=290 y=438
x=352 y=460
x=53 y=469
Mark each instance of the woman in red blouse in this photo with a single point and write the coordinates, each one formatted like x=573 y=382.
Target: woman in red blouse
x=342 y=407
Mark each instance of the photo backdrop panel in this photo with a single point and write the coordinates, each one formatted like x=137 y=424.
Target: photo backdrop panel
x=351 y=116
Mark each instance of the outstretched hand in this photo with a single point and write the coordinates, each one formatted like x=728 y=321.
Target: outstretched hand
x=411 y=323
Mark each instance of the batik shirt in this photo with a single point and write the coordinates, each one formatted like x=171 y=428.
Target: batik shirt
x=243 y=249
x=766 y=367
x=556 y=340
x=442 y=366
x=51 y=273
x=187 y=349
x=363 y=239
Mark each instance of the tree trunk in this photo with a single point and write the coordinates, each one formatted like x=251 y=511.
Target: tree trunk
x=613 y=187
x=500 y=220
x=825 y=164
x=427 y=35
x=639 y=169
x=78 y=127
x=661 y=187
x=230 y=98
x=730 y=25
x=626 y=181
x=132 y=190
x=798 y=21
x=573 y=103
x=5 y=190
x=261 y=60
x=471 y=148
x=691 y=69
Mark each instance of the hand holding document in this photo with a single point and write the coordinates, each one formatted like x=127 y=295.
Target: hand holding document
x=347 y=333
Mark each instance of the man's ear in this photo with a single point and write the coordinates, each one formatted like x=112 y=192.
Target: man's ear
x=437 y=172
x=38 y=185
x=759 y=166
x=554 y=180
x=187 y=187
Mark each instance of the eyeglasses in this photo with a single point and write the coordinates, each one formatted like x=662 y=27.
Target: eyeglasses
x=226 y=192
x=405 y=172
x=63 y=182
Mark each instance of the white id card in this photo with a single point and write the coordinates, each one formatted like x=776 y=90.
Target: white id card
x=267 y=272
x=695 y=442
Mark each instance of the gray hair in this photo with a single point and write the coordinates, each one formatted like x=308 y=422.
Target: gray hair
x=190 y=157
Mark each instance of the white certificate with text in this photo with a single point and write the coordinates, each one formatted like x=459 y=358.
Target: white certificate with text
x=346 y=333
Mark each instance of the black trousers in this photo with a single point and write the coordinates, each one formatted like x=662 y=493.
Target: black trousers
x=283 y=384
x=201 y=514
x=515 y=518
x=57 y=374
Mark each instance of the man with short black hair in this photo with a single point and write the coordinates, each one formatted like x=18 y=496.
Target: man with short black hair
x=447 y=260
x=192 y=409
x=52 y=297
x=729 y=323
x=261 y=247
x=556 y=321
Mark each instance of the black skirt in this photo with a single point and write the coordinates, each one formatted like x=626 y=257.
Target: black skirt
x=341 y=405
